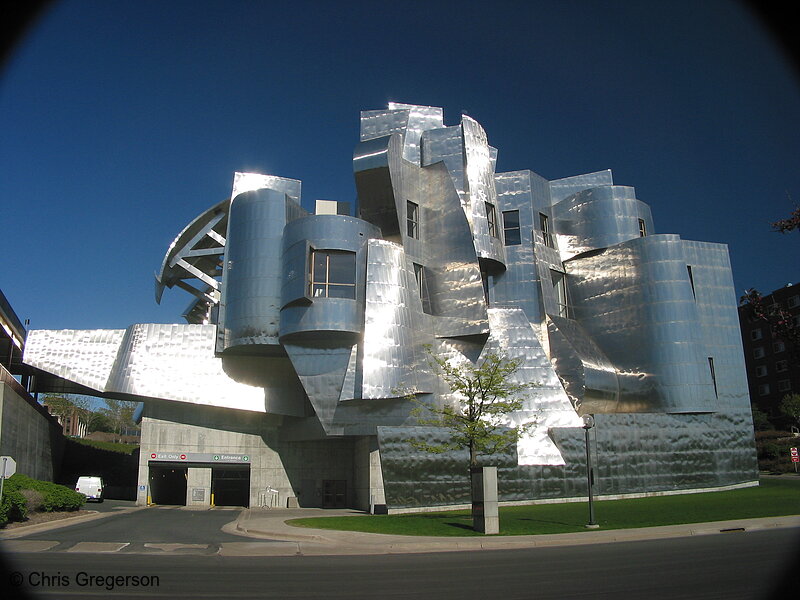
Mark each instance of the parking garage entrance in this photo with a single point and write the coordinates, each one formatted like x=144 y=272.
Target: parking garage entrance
x=230 y=485
x=168 y=485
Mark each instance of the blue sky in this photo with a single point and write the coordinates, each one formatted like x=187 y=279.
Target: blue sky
x=121 y=121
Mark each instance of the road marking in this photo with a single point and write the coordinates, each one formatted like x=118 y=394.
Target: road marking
x=98 y=547
x=28 y=545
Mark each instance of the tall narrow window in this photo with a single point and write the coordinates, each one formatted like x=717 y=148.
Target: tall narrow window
x=560 y=288
x=642 y=228
x=333 y=274
x=422 y=286
x=491 y=218
x=713 y=374
x=412 y=219
x=544 y=227
x=691 y=280
x=485 y=280
x=511 y=231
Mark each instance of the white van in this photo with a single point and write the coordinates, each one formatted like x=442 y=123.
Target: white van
x=91 y=487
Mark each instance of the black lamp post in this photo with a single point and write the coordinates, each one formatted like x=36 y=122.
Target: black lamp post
x=588 y=423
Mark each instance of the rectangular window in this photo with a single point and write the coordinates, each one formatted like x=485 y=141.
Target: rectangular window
x=713 y=374
x=333 y=274
x=422 y=286
x=511 y=231
x=763 y=389
x=491 y=218
x=793 y=301
x=642 y=228
x=755 y=334
x=560 y=288
x=412 y=220
x=784 y=385
x=796 y=320
x=759 y=352
x=761 y=371
x=691 y=280
x=781 y=366
x=778 y=346
x=544 y=227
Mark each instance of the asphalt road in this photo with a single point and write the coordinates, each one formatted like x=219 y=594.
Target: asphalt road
x=157 y=524
x=731 y=566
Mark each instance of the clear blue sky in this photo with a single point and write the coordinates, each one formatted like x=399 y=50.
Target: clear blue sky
x=121 y=121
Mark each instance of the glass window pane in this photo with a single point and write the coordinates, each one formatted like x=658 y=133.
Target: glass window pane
x=513 y=237
x=342 y=267
x=342 y=291
x=510 y=219
x=319 y=266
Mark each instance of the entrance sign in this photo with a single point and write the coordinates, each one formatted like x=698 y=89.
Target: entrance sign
x=199 y=457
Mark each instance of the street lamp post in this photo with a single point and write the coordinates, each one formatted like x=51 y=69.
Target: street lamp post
x=588 y=423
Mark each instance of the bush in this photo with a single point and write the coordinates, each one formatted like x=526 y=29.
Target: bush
x=12 y=507
x=33 y=499
x=54 y=497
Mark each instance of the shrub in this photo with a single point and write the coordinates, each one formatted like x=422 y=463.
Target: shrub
x=12 y=507
x=54 y=496
x=33 y=499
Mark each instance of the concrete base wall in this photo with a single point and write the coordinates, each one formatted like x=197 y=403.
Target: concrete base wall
x=31 y=438
x=281 y=473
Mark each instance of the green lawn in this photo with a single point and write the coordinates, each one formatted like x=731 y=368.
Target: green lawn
x=774 y=497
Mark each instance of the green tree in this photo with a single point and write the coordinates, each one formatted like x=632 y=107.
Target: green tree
x=120 y=414
x=760 y=419
x=479 y=421
x=62 y=405
x=98 y=421
x=790 y=406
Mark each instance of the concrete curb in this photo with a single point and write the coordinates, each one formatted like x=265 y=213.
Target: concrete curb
x=29 y=529
x=358 y=543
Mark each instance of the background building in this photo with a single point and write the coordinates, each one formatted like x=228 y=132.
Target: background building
x=306 y=333
x=773 y=371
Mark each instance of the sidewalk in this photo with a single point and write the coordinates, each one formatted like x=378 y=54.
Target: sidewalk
x=271 y=524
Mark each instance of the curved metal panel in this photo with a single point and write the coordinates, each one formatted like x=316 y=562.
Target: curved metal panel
x=588 y=375
x=394 y=361
x=598 y=218
x=635 y=300
x=252 y=286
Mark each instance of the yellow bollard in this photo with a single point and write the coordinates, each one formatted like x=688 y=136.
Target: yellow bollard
x=212 y=500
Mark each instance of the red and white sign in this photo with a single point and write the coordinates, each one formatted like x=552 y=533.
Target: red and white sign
x=793 y=453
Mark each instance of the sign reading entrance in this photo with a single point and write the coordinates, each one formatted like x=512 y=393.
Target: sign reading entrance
x=199 y=457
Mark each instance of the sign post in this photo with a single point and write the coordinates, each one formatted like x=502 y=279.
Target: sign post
x=795 y=457
x=7 y=469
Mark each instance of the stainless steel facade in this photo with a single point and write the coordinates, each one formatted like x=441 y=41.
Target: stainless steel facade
x=325 y=320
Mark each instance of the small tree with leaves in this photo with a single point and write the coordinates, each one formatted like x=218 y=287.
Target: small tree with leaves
x=790 y=406
x=479 y=422
x=120 y=414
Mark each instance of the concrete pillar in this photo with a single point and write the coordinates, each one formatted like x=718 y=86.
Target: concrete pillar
x=368 y=476
x=485 y=508
x=198 y=486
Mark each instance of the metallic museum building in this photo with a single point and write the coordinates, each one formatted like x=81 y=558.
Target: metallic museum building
x=288 y=385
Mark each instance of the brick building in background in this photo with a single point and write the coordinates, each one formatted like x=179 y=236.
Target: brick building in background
x=771 y=371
